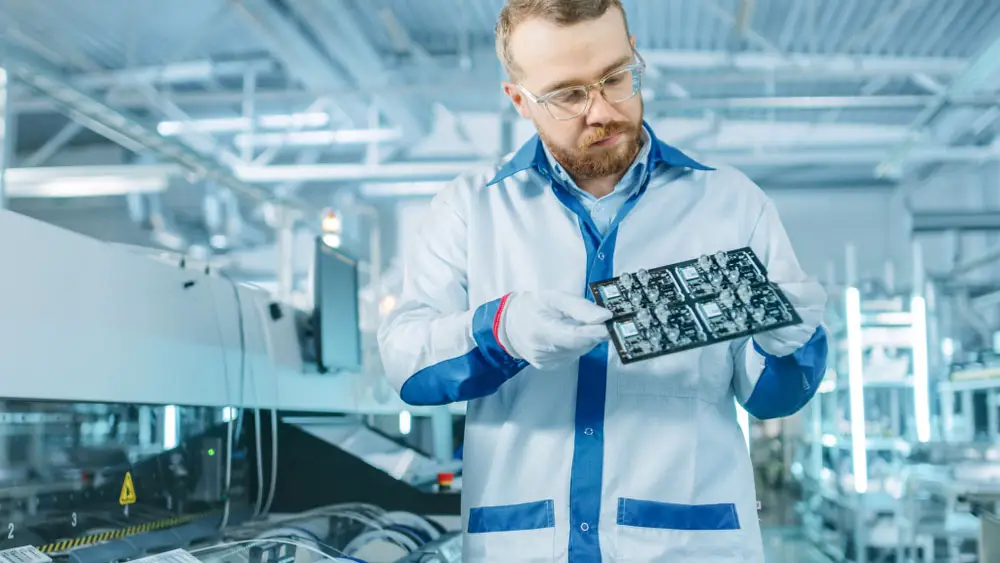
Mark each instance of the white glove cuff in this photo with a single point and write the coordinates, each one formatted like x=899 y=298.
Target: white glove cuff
x=500 y=326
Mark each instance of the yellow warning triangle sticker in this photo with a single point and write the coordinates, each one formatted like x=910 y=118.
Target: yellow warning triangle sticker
x=127 y=495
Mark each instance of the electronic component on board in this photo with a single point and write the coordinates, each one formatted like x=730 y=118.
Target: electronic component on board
x=696 y=303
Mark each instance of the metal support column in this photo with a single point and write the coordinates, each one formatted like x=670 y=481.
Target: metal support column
x=249 y=113
x=441 y=428
x=286 y=255
x=507 y=131
x=7 y=134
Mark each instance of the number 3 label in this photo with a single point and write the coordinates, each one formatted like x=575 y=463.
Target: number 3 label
x=74 y=519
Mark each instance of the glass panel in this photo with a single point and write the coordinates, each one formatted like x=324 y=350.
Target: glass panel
x=63 y=470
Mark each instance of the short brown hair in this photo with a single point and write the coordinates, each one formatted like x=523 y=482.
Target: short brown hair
x=559 y=12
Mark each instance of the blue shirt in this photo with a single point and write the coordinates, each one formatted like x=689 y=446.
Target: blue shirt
x=604 y=210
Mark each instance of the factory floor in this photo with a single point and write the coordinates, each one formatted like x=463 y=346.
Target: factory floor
x=781 y=530
x=786 y=545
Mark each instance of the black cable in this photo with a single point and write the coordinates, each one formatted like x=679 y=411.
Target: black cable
x=233 y=434
x=243 y=348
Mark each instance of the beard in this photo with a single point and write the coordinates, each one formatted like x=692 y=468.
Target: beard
x=585 y=161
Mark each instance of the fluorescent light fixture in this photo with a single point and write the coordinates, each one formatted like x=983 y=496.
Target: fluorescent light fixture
x=743 y=419
x=228 y=413
x=88 y=181
x=402 y=189
x=829 y=440
x=405 y=422
x=332 y=240
x=856 y=382
x=242 y=124
x=829 y=384
x=387 y=304
x=948 y=348
x=921 y=399
x=97 y=186
x=317 y=138
x=332 y=224
x=169 y=427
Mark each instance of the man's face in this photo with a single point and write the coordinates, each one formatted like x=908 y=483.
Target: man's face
x=604 y=140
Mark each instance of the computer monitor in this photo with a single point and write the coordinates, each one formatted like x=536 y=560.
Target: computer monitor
x=336 y=318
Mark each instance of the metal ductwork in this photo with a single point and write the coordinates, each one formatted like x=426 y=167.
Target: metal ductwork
x=939 y=221
x=227 y=228
x=147 y=210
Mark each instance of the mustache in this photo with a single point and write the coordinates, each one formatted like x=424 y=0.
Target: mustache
x=601 y=133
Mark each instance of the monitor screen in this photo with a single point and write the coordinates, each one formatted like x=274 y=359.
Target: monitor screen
x=338 y=334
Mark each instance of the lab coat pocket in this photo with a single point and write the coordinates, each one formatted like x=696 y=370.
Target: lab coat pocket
x=652 y=531
x=512 y=532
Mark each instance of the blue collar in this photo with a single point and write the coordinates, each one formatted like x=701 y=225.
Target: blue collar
x=532 y=155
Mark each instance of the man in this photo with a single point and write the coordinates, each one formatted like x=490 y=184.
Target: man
x=569 y=454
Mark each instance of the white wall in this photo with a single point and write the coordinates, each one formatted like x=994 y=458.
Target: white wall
x=822 y=222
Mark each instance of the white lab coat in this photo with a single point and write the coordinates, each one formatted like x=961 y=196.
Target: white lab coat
x=597 y=461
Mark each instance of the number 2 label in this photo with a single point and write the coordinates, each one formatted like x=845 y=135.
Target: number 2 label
x=10 y=531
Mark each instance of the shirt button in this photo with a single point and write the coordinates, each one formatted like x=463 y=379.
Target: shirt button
x=588 y=431
x=585 y=526
x=600 y=256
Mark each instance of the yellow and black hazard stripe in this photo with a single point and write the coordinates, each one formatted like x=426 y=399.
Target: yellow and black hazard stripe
x=118 y=534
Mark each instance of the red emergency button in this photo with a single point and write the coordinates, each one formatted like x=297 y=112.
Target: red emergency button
x=445 y=479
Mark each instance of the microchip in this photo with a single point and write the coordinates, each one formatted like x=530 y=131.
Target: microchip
x=610 y=291
x=690 y=273
x=627 y=329
x=711 y=309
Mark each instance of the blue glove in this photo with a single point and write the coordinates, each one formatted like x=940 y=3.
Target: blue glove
x=551 y=328
x=809 y=300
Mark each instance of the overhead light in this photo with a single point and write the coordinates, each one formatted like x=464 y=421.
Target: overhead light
x=405 y=422
x=921 y=391
x=92 y=186
x=386 y=305
x=169 y=427
x=218 y=241
x=242 y=124
x=402 y=189
x=318 y=138
x=856 y=389
x=332 y=223
x=331 y=240
x=743 y=419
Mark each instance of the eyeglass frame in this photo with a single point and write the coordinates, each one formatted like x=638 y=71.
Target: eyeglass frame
x=638 y=66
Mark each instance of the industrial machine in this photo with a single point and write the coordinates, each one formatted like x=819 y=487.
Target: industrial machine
x=153 y=409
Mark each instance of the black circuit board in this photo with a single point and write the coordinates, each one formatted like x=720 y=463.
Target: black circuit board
x=691 y=304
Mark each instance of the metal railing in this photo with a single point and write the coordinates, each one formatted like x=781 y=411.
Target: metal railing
x=989 y=537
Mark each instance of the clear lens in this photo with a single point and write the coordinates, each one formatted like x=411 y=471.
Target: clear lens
x=572 y=102
x=568 y=103
x=621 y=86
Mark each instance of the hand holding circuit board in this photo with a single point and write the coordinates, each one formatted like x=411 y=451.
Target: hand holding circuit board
x=692 y=304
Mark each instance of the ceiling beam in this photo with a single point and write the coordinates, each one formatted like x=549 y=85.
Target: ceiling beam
x=974 y=79
x=300 y=56
x=343 y=38
x=864 y=66
x=815 y=102
x=83 y=106
x=749 y=160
